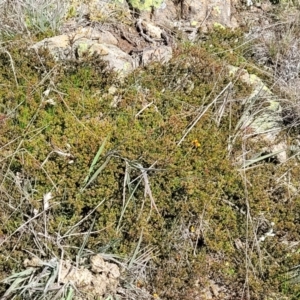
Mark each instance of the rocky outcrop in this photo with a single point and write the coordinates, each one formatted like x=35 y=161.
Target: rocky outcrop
x=91 y=41
x=127 y=47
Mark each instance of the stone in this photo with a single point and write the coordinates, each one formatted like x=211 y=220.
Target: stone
x=117 y=59
x=64 y=47
x=98 y=264
x=103 y=43
x=263 y=123
x=152 y=30
x=158 y=54
x=204 y=11
x=99 y=36
x=33 y=262
x=165 y=16
x=81 y=277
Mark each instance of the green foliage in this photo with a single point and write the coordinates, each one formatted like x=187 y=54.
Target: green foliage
x=42 y=17
x=146 y=5
x=178 y=196
x=226 y=44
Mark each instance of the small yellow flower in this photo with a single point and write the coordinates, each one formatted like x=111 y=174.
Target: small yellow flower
x=155 y=296
x=196 y=143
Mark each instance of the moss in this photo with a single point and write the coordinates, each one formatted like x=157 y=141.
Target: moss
x=199 y=195
x=226 y=44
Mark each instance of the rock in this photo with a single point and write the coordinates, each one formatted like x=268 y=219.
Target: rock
x=117 y=59
x=91 y=41
x=57 y=46
x=99 y=36
x=80 y=277
x=261 y=121
x=107 y=275
x=214 y=11
x=114 y=271
x=194 y=10
x=101 y=285
x=158 y=54
x=98 y=265
x=34 y=262
x=62 y=46
x=87 y=46
x=83 y=41
x=152 y=30
x=88 y=40
x=190 y=16
x=197 y=13
x=268 y=121
x=166 y=14
x=103 y=277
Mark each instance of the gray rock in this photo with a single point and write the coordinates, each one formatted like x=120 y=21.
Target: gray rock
x=90 y=41
x=261 y=120
x=117 y=59
x=158 y=54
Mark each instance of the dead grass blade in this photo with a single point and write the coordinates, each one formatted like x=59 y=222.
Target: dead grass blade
x=260 y=158
x=202 y=113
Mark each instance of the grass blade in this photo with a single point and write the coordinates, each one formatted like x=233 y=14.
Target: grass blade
x=96 y=174
x=90 y=178
x=256 y=159
x=136 y=251
x=84 y=242
x=95 y=160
